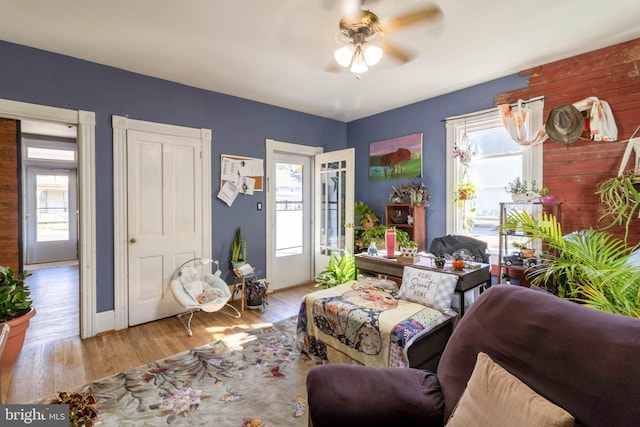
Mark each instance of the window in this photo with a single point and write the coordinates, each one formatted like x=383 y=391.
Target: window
x=41 y=153
x=289 y=209
x=496 y=160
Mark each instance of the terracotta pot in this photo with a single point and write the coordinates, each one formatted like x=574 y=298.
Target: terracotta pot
x=17 y=333
x=528 y=253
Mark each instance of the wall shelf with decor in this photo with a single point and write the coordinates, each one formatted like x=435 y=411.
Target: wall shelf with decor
x=516 y=259
x=397 y=215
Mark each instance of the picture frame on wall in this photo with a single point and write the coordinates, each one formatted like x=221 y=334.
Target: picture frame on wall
x=396 y=158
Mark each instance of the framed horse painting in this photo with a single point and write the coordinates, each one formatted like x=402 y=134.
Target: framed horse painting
x=396 y=158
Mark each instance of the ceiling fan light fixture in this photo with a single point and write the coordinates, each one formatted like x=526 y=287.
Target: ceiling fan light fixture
x=344 y=55
x=359 y=64
x=372 y=54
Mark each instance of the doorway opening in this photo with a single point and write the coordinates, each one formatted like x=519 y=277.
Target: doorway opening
x=50 y=227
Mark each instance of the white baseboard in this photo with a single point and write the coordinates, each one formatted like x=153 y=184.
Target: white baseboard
x=105 y=321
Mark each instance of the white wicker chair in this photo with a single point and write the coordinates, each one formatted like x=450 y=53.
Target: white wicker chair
x=186 y=298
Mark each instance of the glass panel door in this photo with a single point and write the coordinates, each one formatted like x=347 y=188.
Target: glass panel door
x=51 y=216
x=292 y=227
x=334 y=204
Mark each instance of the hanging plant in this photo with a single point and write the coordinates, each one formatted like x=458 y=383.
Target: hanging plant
x=621 y=200
x=465 y=191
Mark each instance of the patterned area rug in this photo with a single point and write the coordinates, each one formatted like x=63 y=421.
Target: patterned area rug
x=251 y=379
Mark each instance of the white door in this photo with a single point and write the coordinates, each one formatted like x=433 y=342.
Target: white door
x=164 y=198
x=291 y=225
x=334 y=195
x=51 y=215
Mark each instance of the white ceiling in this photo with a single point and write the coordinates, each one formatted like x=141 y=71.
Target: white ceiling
x=278 y=51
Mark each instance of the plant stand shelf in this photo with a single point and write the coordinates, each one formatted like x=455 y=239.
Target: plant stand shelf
x=511 y=261
x=242 y=274
x=418 y=230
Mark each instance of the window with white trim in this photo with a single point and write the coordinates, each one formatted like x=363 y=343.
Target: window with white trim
x=495 y=160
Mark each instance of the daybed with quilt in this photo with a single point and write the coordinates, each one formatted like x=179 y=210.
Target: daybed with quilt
x=358 y=323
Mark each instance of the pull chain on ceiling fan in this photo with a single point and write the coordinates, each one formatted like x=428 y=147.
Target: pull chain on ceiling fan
x=358 y=31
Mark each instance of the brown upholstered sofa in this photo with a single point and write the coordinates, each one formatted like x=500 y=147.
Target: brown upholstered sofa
x=582 y=360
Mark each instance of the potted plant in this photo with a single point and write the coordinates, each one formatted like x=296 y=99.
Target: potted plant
x=365 y=216
x=403 y=239
x=409 y=248
x=16 y=309
x=521 y=191
x=238 y=250
x=341 y=269
x=590 y=266
x=527 y=252
x=376 y=233
x=255 y=292
x=620 y=198
x=414 y=193
x=545 y=197
x=465 y=191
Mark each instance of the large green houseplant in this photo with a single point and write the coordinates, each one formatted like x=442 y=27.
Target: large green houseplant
x=16 y=309
x=341 y=269
x=589 y=266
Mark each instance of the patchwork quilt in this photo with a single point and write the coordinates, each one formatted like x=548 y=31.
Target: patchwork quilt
x=358 y=323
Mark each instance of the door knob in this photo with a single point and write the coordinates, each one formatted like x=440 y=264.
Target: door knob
x=133 y=240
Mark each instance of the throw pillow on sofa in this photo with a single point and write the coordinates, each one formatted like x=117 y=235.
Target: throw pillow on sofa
x=496 y=398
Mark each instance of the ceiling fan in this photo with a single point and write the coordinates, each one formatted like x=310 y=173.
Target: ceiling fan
x=360 y=27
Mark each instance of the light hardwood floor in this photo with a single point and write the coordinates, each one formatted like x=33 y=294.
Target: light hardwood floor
x=54 y=358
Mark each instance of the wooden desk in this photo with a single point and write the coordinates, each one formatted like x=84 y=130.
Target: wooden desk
x=468 y=278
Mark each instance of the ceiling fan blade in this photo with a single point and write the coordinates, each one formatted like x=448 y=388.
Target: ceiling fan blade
x=333 y=68
x=395 y=52
x=398 y=23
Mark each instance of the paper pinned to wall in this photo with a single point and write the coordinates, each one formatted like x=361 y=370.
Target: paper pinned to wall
x=228 y=192
x=239 y=175
x=229 y=169
x=250 y=167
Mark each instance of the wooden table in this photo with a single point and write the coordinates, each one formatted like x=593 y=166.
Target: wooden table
x=468 y=278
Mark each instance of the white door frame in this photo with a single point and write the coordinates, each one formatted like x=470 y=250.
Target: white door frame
x=86 y=122
x=283 y=147
x=121 y=239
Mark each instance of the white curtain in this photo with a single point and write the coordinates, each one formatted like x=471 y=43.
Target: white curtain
x=524 y=121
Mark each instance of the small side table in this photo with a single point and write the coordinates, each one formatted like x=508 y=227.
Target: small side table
x=241 y=274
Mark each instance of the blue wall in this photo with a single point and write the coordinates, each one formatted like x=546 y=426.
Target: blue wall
x=426 y=117
x=238 y=127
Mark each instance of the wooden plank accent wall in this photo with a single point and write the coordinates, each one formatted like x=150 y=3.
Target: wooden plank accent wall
x=573 y=171
x=9 y=221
